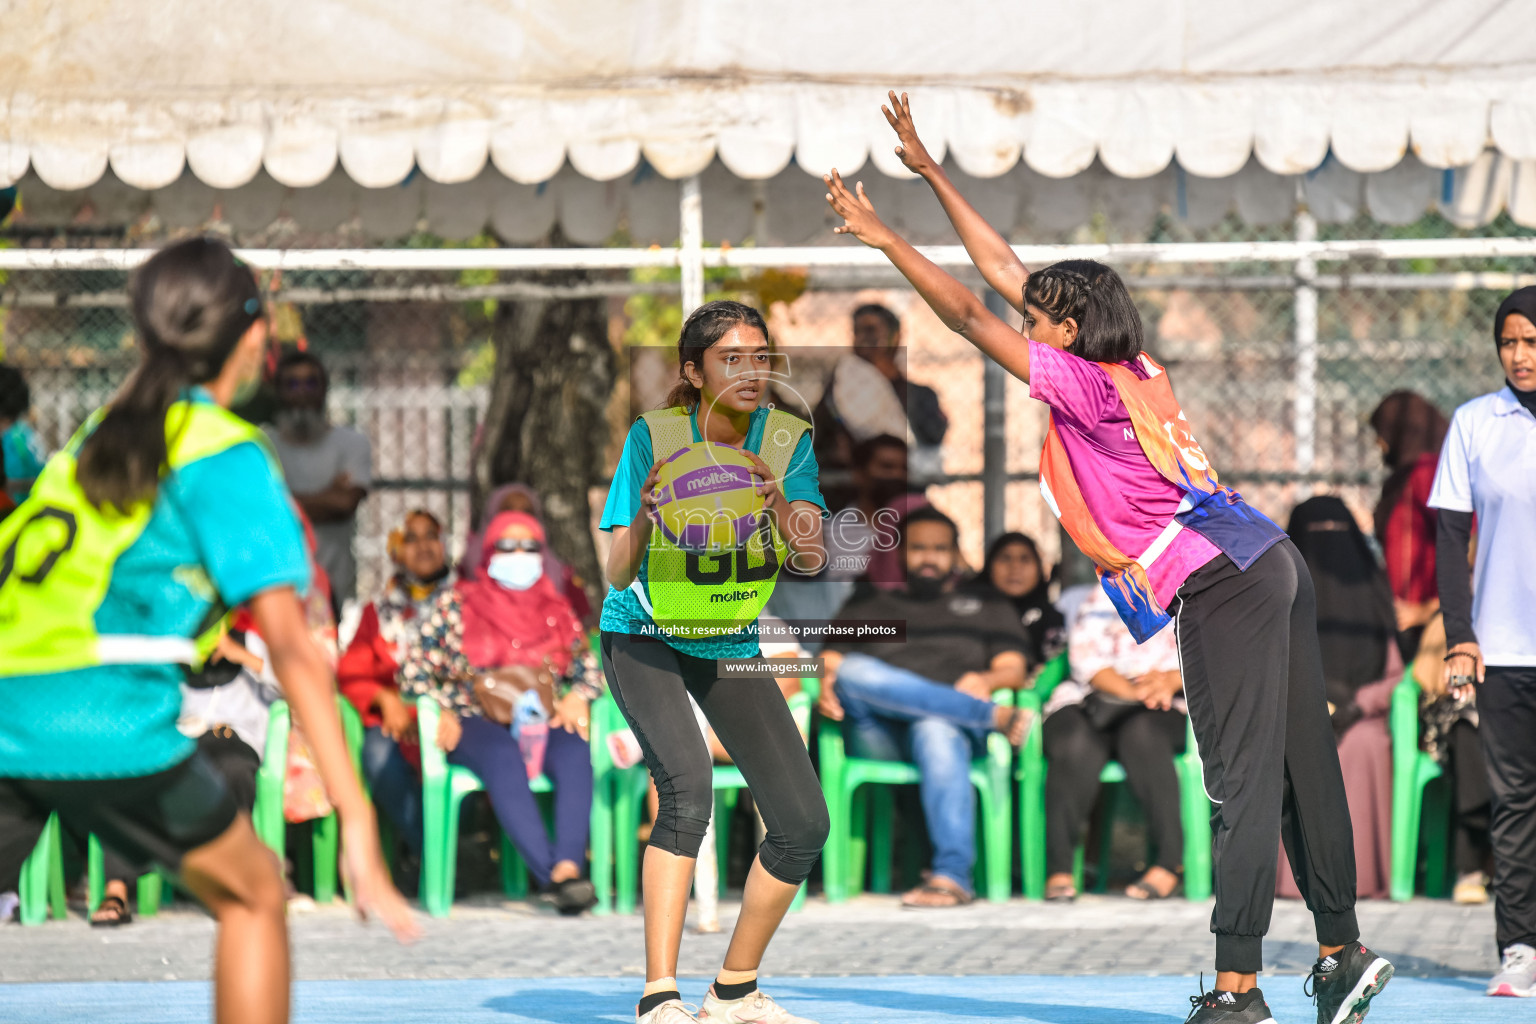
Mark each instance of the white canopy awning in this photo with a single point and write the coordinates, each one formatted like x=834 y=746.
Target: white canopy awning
x=293 y=88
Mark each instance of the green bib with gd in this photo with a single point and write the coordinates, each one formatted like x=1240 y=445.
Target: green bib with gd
x=696 y=597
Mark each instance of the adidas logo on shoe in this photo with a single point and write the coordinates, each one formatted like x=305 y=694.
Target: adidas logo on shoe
x=1327 y=964
x=1227 y=997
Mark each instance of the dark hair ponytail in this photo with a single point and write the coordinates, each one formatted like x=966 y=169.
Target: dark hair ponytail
x=1108 y=323
x=191 y=303
x=703 y=328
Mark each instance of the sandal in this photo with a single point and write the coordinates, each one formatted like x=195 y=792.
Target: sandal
x=935 y=894
x=115 y=906
x=1060 y=892
x=1143 y=890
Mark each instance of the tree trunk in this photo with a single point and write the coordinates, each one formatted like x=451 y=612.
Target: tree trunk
x=546 y=424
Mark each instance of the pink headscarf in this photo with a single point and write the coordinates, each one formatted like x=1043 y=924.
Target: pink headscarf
x=503 y=626
x=470 y=564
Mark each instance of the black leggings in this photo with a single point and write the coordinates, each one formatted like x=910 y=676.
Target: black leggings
x=651 y=682
x=1144 y=741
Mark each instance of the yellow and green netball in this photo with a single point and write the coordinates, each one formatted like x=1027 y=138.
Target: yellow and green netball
x=708 y=504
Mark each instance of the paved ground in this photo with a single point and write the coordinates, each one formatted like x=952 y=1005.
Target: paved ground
x=869 y=936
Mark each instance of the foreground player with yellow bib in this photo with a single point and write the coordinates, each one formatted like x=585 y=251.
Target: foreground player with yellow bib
x=164 y=511
x=670 y=613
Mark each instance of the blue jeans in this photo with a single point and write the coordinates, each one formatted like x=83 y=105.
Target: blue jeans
x=394 y=785
x=897 y=715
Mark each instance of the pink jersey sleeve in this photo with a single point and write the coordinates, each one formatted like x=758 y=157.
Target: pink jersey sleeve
x=1074 y=388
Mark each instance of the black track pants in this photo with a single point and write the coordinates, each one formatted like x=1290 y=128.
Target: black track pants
x=1506 y=704
x=1253 y=678
x=651 y=683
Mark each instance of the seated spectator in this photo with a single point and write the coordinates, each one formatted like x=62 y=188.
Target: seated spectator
x=1123 y=703
x=22 y=449
x=852 y=535
x=869 y=394
x=510 y=616
x=522 y=498
x=366 y=672
x=1448 y=733
x=224 y=708
x=1357 y=633
x=1013 y=570
x=929 y=699
x=887 y=566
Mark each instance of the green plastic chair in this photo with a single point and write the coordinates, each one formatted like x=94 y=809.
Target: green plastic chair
x=1195 y=806
x=1415 y=801
x=151 y=884
x=42 y=877
x=630 y=786
x=444 y=787
x=863 y=823
x=267 y=816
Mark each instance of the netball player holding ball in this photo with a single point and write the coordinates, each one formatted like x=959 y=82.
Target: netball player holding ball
x=671 y=612
x=1128 y=481
x=162 y=512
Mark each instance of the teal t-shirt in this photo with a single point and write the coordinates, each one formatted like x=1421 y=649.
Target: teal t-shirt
x=24 y=454
x=622 y=610
x=223 y=528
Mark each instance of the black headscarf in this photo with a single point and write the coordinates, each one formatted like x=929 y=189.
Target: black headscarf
x=1041 y=621
x=1412 y=428
x=1522 y=301
x=1355 y=617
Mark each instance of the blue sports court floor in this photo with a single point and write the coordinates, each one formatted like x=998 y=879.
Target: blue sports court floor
x=1029 y=999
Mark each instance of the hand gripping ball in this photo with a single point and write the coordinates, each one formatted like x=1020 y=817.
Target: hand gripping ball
x=708 y=505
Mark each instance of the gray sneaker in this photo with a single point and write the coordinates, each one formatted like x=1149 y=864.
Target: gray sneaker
x=673 y=1011
x=757 y=1008
x=1517 y=975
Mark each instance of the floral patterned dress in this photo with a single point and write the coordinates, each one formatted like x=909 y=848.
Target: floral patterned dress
x=435 y=663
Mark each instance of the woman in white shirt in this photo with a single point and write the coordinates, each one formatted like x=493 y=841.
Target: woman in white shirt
x=1488 y=470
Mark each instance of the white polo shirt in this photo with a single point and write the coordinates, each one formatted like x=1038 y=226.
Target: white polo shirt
x=1488 y=467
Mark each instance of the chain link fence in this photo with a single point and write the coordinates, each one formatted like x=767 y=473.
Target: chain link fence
x=411 y=360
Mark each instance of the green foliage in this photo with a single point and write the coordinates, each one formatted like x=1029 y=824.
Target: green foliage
x=657 y=318
x=480 y=368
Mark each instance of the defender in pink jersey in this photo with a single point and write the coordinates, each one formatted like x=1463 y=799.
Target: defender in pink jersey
x=1245 y=616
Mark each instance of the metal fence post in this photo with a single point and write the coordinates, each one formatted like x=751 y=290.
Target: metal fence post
x=1305 y=423
x=691 y=258
x=994 y=445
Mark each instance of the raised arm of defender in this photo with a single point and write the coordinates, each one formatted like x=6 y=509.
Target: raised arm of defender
x=989 y=250
x=957 y=306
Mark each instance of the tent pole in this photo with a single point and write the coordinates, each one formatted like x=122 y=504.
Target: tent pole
x=691 y=257
x=1306 y=357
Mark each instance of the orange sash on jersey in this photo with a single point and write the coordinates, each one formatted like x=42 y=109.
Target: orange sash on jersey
x=1163 y=433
